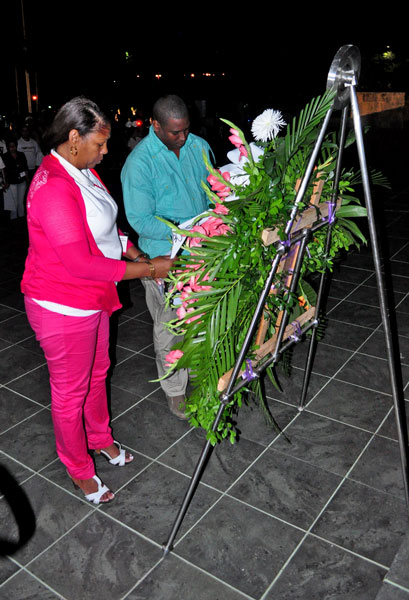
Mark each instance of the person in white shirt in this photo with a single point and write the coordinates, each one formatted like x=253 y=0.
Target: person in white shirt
x=31 y=149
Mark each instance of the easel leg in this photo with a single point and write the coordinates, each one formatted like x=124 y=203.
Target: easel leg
x=393 y=360
x=313 y=341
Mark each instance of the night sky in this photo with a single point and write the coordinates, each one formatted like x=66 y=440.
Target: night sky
x=271 y=57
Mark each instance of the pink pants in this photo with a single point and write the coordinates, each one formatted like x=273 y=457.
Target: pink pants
x=76 y=350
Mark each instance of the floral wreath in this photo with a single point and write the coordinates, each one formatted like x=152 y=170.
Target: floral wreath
x=218 y=278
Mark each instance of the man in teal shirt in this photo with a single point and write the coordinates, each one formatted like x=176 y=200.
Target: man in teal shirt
x=162 y=178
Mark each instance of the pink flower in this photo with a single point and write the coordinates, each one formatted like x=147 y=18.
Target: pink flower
x=223 y=228
x=197 y=287
x=191 y=319
x=221 y=209
x=211 y=225
x=196 y=241
x=181 y=313
x=173 y=357
x=243 y=152
x=235 y=138
x=238 y=142
x=217 y=186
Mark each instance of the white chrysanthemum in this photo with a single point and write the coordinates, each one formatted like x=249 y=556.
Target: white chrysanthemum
x=267 y=125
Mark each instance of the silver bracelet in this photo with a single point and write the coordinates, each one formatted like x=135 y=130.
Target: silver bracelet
x=140 y=256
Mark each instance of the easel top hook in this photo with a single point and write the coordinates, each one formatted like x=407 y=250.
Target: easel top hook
x=344 y=71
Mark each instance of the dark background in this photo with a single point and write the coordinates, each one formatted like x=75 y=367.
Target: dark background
x=261 y=56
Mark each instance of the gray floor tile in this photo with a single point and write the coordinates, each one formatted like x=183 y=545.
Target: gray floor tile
x=399 y=572
x=151 y=501
x=25 y=587
x=287 y=488
x=380 y=467
x=135 y=334
x=340 y=289
x=55 y=512
x=368 y=295
x=252 y=424
x=226 y=463
x=239 y=545
x=174 y=578
x=136 y=375
x=370 y=372
x=350 y=312
x=14 y=469
x=16 y=361
x=404 y=305
x=35 y=385
x=7 y=569
x=402 y=320
x=22 y=408
x=6 y=312
x=350 y=274
x=345 y=335
x=321 y=571
x=323 y=442
x=390 y=428
x=399 y=283
x=366 y=521
x=4 y=344
x=391 y=592
x=97 y=559
x=291 y=387
x=16 y=329
x=149 y=428
x=376 y=346
x=121 y=400
x=352 y=404
x=326 y=360
x=32 y=441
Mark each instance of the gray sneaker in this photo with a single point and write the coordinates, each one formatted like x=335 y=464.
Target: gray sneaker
x=176 y=406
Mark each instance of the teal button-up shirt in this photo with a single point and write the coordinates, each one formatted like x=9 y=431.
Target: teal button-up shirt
x=155 y=182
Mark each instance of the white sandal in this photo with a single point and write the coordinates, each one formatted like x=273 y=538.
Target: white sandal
x=95 y=497
x=119 y=460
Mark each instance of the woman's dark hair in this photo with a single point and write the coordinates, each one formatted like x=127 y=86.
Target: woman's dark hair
x=79 y=113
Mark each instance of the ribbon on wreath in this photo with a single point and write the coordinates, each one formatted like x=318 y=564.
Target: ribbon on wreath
x=249 y=374
x=331 y=212
x=297 y=331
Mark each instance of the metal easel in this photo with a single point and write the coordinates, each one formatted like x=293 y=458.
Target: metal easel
x=342 y=78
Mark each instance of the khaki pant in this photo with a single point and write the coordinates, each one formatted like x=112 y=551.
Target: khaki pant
x=175 y=384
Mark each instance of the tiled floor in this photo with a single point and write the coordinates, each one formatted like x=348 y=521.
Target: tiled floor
x=321 y=517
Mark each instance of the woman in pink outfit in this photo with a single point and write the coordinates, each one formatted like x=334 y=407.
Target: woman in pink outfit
x=74 y=261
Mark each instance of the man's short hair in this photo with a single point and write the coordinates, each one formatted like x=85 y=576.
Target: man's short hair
x=169 y=107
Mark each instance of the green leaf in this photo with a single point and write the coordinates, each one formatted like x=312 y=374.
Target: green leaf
x=352 y=211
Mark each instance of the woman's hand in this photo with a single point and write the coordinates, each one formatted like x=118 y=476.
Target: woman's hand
x=156 y=268
x=162 y=265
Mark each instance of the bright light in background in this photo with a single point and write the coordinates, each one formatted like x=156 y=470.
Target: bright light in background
x=388 y=55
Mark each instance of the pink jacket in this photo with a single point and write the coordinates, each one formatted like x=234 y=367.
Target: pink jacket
x=64 y=264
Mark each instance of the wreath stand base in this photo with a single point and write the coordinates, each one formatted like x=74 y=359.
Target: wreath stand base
x=342 y=78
